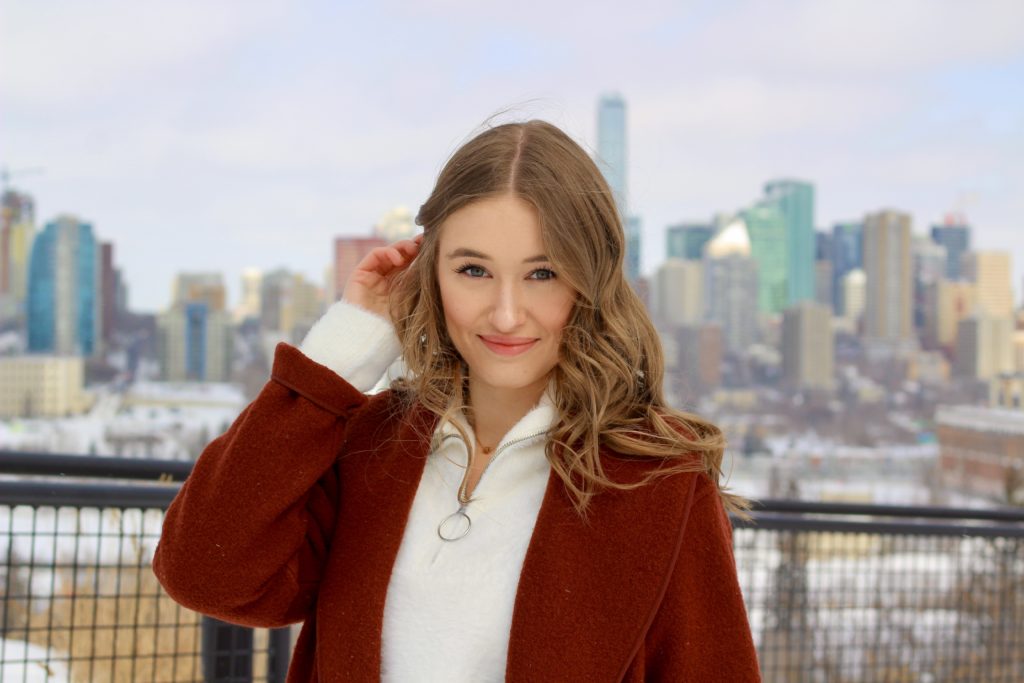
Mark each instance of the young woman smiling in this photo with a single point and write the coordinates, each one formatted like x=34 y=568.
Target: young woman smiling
x=521 y=505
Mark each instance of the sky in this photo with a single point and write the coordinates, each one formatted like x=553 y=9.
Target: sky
x=215 y=136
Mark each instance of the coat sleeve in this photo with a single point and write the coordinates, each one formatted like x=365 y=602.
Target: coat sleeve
x=701 y=632
x=245 y=539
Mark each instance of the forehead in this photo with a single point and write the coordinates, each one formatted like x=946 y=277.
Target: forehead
x=503 y=226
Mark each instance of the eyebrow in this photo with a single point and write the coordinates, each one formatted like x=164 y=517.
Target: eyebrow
x=464 y=252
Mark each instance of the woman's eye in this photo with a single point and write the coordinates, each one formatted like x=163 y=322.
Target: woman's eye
x=471 y=270
x=543 y=274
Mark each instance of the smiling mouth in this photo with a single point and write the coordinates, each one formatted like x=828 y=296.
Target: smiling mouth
x=509 y=349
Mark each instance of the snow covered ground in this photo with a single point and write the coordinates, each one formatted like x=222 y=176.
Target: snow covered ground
x=22 y=662
x=150 y=419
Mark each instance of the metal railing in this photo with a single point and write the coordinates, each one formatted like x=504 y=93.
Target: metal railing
x=78 y=599
x=844 y=593
x=836 y=593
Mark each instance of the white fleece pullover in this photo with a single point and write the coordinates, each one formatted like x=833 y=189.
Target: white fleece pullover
x=449 y=604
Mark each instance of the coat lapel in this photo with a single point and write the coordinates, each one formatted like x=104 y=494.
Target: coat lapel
x=589 y=590
x=378 y=485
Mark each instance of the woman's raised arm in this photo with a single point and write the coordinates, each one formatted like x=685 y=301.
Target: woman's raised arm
x=246 y=538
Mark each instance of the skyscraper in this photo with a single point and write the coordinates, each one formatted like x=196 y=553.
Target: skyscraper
x=794 y=199
x=687 y=240
x=929 y=266
x=17 y=229
x=611 y=146
x=955 y=236
x=766 y=228
x=807 y=346
x=888 y=320
x=847 y=248
x=612 y=160
x=677 y=292
x=990 y=273
x=195 y=335
x=984 y=347
x=64 y=294
x=289 y=303
x=732 y=286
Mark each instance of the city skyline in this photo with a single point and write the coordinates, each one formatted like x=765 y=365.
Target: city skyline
x=232 y=138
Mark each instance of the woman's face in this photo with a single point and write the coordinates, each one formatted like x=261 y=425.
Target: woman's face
x=504 y=304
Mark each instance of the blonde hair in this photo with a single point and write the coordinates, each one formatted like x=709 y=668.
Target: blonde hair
x=608 y=381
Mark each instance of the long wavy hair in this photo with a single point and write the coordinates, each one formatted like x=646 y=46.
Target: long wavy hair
x=608 y=381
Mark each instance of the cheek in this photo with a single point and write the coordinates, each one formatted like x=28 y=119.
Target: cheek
x=560 y=310
x=457 y=314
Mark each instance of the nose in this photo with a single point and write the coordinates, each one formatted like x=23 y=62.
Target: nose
x=507 y=312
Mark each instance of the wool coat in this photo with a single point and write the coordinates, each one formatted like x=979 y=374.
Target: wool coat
x=296 y=513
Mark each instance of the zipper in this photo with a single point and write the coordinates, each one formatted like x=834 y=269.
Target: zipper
x=458 y=524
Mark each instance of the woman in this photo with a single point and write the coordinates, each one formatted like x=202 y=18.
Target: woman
x=521 y=506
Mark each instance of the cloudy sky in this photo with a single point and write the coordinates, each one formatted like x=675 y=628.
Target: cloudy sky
x=201 y=135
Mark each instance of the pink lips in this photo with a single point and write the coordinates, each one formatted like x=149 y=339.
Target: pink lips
x=508 y=346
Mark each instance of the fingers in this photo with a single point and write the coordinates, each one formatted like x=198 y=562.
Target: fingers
x=384 y=260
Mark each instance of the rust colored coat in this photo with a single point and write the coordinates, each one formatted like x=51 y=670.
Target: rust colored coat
x=297 y=512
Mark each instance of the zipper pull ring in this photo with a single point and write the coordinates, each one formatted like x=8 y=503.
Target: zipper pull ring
x=455 y=526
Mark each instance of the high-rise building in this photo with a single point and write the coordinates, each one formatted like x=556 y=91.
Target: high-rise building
x=990 y=273
x=929 y=266
x=64 y=298
x=348 y=252
x=854 y=298
x=611 y=146
x=808 y=350
x=794 y=199
x=949 y=303
x=612 y=159
x=634 y=244
x=687 y=240
x=109 y=280
x=955 y=236
x=984 y=347
x=699 y=360
x=766 y=228
x=847 y=248
x=289 y=303
x=823 y=280
x=249 y=307
x=17 y=230
x=206 y=287
x=195 y=336
x=888 y=316
x=731 y=289
x=677 y=294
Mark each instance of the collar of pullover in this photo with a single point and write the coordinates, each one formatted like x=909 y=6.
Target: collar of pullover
x=536 y=422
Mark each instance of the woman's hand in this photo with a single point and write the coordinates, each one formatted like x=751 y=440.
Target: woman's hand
x=370 y=284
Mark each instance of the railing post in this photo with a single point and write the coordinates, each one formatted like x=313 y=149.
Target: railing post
x=227 y=652
x=279 y=654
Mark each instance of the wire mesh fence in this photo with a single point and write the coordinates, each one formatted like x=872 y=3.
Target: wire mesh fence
x=78 y=599
x=835 y=593
x=856 y=601
x=80 y=603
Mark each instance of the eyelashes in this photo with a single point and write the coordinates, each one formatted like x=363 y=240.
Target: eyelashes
x=480 y=271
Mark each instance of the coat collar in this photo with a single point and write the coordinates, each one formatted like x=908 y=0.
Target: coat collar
x=588 y=589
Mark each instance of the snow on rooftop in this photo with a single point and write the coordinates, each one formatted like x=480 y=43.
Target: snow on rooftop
x=981 y=419
x=203 y=393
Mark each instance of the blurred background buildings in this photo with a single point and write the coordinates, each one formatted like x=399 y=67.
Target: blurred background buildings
x=801 y=341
